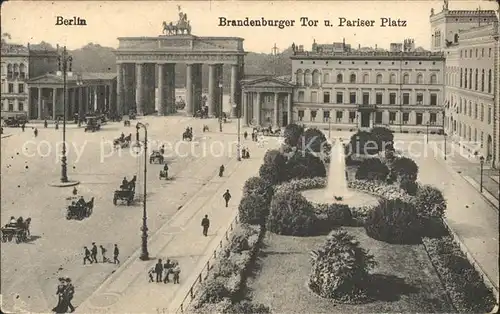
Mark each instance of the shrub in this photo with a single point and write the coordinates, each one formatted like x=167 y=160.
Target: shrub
x=405 y=167
x=315 y=141
x=363 y=143
x=247 y=307
x=240 y=238
x=340 y=267
x=273 y=170
x=253 y=209
x=255 y=185
x=430 y=202
x=305 y=165
x=384 y=138
x=394 y=221
x=372 y=169
x=224 y=268
x=408 y=185
x=292 y=134
x=332 y=215
x=214 y=291
x=291 y=214
x=303 y=184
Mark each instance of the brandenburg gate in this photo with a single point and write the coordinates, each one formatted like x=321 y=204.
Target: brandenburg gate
x=146 y=70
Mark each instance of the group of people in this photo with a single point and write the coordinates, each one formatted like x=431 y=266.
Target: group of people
x=91 y=255
x=65 y=292
x=128 y=185
x=163 y=271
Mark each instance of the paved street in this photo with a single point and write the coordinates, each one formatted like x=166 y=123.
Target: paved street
x=31 y=269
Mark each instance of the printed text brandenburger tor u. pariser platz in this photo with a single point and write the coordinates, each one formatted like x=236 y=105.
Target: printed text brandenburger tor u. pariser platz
x=259 y=22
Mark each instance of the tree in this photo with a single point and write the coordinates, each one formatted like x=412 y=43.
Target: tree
x=363 y=143
x=314 y=140
x=275 y=162
x=340 y=267
x=430 y=202
x=405 y=167
x=305 y=165
x=292 y=134
x=372 y=169
x=384 y=138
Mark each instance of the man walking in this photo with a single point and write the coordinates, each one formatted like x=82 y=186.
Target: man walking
x=205 y=223
x=116 y=252
x=168 y=269
x=227 y=197
x=94 y=252
x=103 y=253
x=68 y=294
x=159 y=270
x=176 y=271
x=221 y=170
x=87 y=255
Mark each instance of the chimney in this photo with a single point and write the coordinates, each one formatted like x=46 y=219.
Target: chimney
x=359 y=46
x=375 y=46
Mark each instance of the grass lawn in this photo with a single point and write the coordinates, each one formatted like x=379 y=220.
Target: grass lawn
x=406 y=277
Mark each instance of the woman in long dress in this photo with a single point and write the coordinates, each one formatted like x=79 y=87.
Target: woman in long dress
x=62 y=306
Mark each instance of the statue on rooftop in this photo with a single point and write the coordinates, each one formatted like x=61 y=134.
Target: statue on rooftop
x=445 y=5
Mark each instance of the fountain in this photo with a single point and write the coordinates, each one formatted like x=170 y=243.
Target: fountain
x=336 y=190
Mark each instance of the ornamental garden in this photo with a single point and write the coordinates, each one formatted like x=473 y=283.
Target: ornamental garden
x=291 y=254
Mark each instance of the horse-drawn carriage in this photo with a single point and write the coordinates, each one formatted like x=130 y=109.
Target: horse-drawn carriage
x=126 y=192
x=18 y=230
x=156 y=157
x=79 y=210
x=122 y=141
x=187 y=135
x=93 y=124
x=270 y=132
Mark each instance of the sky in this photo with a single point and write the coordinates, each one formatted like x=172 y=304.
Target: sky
x=34 y=21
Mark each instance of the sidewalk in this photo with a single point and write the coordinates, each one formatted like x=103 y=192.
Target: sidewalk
x=470 y=170
x=128 y=290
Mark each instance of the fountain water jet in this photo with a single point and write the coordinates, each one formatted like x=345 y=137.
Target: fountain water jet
x=336 y=190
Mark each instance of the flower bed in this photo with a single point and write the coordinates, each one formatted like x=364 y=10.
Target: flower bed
x=222 y=289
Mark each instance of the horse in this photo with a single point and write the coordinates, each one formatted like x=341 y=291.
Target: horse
x=169 y=29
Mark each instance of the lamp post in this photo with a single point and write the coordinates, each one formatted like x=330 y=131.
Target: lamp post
x=481 y=162
x=427 y=132
x=64 y=61
x=238 y=148
x=220 y=106
x=445 y=153
x=144 y=247
x=329 y=127
x=79 y=83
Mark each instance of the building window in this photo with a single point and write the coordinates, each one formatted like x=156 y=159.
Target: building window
x=475 y=111
x=20 y=88
x=352 y=116
x=326 y=78
x=378 y=117
x=489 y=115
x=352 y=79
x=268 y=99
x=461 y=54
x=314 y=97
x=420 y=99
x=476 y=78
x=475 y=135
x=339 y=78
x=20 y=106
x=11 y=88
x=420 y=79
x=406 y=79
x=340 y=98
x=406 y=98
x=433 y=101
x=465 y=79
x=326 y=97
x=313 y=115
x=406 y=117
x=482 y=52
x=307 y=78
x=366 y=79
x=433 y=79
x=482 y=138
x=489 y=81
x=378 y=98
x=352 y=98
x=339 y=115
x=392 y=79
x=482 y=80
x=489 y=52
x=379 y=78
x=300 y=78
x=392 y=98
x=392 y=117
x=465 y=53
x=315 y=78
x=326 y=116
x=301 y=114
x=301 y=96
x=11 y=106
x=476 y=53
x=433 y=118
x=419 y=118
x=366 y=98
x=461 y=77
x=482 y=113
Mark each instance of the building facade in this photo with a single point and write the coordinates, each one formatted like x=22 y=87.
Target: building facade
x=469 y=40
x=19 y=64
x=345 y=91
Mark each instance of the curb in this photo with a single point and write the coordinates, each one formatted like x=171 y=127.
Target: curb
x=6 y=135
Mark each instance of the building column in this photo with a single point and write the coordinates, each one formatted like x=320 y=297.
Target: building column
x=234 y=86
x=119 y=95
x=54 y=104
x=289 y=109
x=170 y=88
x=40 y=104
x=197 y=87
x=371 y=119
x=73 y=103
x=257 y=112
x=161 y=102
x=96 y=98
x=276 y=118
x=139 y=89
x=80 y=103
x=212 y=90
x=219 y=95
x=244 y=104
x=189 y=89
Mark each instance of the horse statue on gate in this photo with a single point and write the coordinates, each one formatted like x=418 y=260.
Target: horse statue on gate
x=183 y=24
x=169 y=29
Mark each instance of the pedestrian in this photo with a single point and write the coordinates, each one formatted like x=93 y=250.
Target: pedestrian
x=176 y=271
x=61 y=306
x=75 y=191
x=245 y=135
x=227 y=197
x=150 y=274
x=94 y=252
x=45 y=124
x=103 y=253
x=68 y=294
x=35 y=132
x=23 y=126
x=116 y=252
x=159 y=270
x=87 y=256
x=221 y=170
x=205 y=223
x=168 y=269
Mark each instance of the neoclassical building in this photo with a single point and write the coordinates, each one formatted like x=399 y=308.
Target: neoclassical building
x=469 y=40
x=348 y=90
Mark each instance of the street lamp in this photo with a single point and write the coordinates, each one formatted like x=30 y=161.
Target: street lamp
x=481 y=162
x=79 y=83
x=64 y=61
x=445 y=153
x=427 y=132
x=238 y=148
x=220 y=106
x=144 y=247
